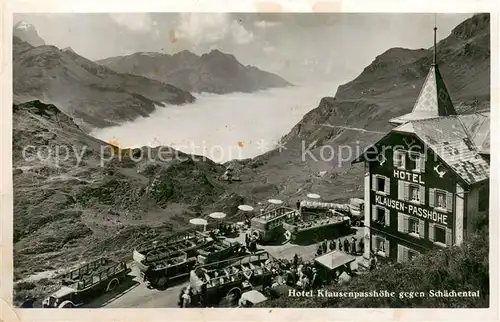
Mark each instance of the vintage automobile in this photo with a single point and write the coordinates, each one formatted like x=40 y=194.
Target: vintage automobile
x=153 y=251
x=230 y=278
x=87 y=282
x=169 y=263
x=169 y=270
x=268 y=226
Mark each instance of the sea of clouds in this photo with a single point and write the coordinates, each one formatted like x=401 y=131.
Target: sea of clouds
x=222 y=127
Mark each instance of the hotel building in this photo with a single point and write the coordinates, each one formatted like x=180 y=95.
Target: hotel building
x=427 y=180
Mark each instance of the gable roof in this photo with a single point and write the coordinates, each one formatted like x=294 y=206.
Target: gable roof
x=452 y=142
x=432 y=101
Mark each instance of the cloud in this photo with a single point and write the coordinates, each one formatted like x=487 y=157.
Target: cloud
x=137 y=22
x=269 y=49
x=240 y=34
x=200 y=28
x=266 y=24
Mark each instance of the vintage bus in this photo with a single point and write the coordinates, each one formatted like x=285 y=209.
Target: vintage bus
x=87 y=282
x=268 y=226
x=230 y=278
x=318 y=221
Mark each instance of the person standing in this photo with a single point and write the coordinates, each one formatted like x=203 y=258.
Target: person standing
x=332 y=245
x=315 y=280
x=346 y=246
x=340 y=244
x=373 y=262
x=181 y=299
x=353 y=246
x=324 y=246
x=361 y=245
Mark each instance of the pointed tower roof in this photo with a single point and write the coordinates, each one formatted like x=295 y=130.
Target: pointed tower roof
x=433 y=100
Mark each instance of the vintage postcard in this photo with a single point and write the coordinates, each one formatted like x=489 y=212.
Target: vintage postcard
x=216 y=160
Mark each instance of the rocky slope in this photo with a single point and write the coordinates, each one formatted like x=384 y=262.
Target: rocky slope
x=92 y=94
x=358 y=114
x=213 y=72
x=27 y=32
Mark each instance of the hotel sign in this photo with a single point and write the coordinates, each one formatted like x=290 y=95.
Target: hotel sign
x=408 y=176
x=411 y=209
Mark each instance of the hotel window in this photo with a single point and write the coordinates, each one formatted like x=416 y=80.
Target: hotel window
x=411 y=192
x=419 y=162
x=440 y=200
x=399 y=159
x=440 y=235
x=380 y=184
x=406 y=254
x=415 y=193
x=411 y=225
x=381 y=215
x=380 y=246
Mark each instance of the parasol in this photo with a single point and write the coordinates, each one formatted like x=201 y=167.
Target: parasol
x=275 y=201
x=253 y=297
x=245 y=208
x=198 y=221
x=217 y=215
x=313 y=196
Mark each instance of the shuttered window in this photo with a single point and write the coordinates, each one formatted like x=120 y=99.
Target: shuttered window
x=419 y=160
x=381 y=215
x=411 y=225
x=411 y=192
x=380 y=246
x=440 y=200
x=381 y=183
x=399 y=159
x=406 y=254
x=440 y=234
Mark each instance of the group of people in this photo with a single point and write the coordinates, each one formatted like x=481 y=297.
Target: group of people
x=353 y=246
x=297 y=274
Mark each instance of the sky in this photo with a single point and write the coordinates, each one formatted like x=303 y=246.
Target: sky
x=301 y=47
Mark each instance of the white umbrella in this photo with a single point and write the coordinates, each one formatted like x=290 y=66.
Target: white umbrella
x=217 y=215
x=253 y=297
x=198 y=221
x=313 y=196
x=245 y=208
x=275 y=201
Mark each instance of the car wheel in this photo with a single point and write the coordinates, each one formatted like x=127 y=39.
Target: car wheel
x=112 y=284
x=67 y=305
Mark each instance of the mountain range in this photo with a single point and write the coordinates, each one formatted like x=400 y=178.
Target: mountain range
x=213 y=72
x=93 y=95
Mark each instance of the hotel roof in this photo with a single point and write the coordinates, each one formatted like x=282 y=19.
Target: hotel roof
x=459 y=140
x=456 y=144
